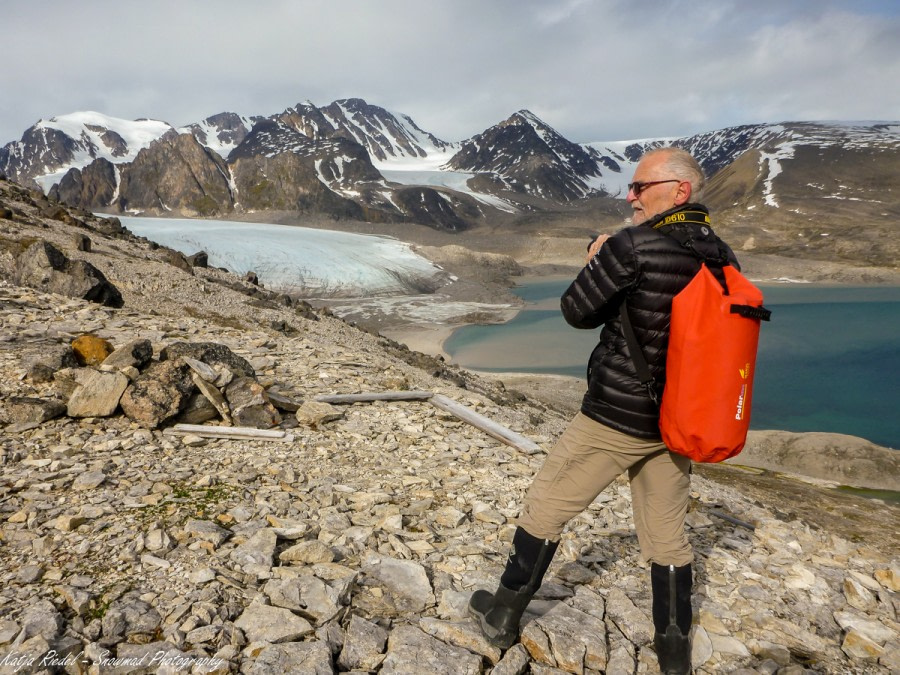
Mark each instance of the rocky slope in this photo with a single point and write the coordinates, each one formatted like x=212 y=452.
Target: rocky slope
x=352 y=544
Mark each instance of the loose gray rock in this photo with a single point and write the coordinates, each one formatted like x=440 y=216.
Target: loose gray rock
x=135 y=353
x=307 y=553
x=567 y=638
x=466 y=634
x=514 y=662
x=364 y=645
x=406 y=580
x=633 y=623
x=40 y=619
x=250 y=407
x=410 y=650
x=262 y=623
x=29 y=410
x=131 y=618
x=213 y=395
x=28 y=574
x=257 y=552
x=41 y=367
x=88 y=480
x=206 y=531
x=77 y=599
x=317 y=413
x=198 y=410
x=312 y=658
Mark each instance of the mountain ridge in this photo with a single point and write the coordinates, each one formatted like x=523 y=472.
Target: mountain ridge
x=353 y=160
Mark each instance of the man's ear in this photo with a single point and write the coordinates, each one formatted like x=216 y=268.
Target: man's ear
x=683 y=195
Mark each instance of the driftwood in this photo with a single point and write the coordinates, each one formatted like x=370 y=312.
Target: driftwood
x=488 y=426
x=732 y=519
x=375 y=396
x=244 y=433
x=468 y=415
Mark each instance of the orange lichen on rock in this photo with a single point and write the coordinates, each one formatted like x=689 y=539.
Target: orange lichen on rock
x=91 y=350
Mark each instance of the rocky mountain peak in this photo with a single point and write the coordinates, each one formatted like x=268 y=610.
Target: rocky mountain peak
x=222 y=132
x=385 y=135
x=51 y=147
x=524 y=154
x=307 y=119
x=525 y=116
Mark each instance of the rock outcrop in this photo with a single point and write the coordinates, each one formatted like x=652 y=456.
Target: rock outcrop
x=45 y=267
x=177 y=172
x=93 y=186
x=833 y=457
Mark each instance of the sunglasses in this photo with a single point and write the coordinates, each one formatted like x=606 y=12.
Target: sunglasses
x=638 y=187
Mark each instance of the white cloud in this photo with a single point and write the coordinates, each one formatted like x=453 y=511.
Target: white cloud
x=594 y=69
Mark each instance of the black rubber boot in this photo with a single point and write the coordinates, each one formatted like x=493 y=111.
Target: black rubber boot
x=499 y=613
x=672 y=617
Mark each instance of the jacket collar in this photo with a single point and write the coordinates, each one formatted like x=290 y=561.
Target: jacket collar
x=686 y=213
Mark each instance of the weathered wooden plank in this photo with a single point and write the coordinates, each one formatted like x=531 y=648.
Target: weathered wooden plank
x=243 y=433
x=732 y=519
x=487 y=425
x=375 y=396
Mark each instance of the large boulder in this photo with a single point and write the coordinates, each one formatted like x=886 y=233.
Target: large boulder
x=159 y=394
x=199 y=259
x=46 y=268
x=210 y=353
x=98 y=395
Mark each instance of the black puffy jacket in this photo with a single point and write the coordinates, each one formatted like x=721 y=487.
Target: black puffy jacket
x=647 y=268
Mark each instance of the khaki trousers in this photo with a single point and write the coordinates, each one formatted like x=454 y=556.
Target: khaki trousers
x=587 y=458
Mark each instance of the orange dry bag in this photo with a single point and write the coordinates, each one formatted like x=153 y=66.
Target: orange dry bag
x=713 y=339
x=711 y=361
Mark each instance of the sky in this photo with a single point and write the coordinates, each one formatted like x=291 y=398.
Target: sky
x=595 y=70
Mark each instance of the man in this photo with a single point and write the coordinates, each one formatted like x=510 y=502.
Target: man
x=617 y=429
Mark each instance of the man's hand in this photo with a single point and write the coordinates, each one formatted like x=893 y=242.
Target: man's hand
x=595 y=246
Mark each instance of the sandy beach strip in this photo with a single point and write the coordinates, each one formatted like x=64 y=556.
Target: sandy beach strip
x=428 y=339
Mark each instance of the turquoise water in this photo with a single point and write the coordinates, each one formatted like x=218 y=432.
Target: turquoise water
x=828 y=361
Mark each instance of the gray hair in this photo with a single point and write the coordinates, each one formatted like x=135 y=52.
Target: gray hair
x=684 y=167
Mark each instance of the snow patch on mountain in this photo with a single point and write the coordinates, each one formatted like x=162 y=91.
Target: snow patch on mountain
x=771 y=162
x=427 y=171
x=137 y=134
x=97 y=135
x=208 y=135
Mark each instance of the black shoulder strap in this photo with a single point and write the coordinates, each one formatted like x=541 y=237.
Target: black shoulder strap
x=683 y=237
x=637 y=354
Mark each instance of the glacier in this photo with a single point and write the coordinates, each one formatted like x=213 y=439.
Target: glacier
x=303 y=261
